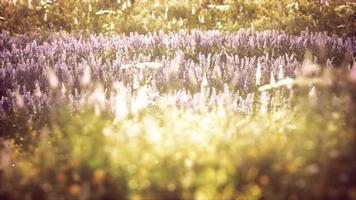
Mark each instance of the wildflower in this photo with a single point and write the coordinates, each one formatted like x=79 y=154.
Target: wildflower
x=29 y=4
x=313 y=95
x=201 y=19
x=309 y=68
x=280 y=73
x=219 y=7
x=180 y=22
x=38 y=92
x=86 y=76
x=192 y=76
x=324 y=2
x=135 y=83
x=193 y=10
x=217 y=73
x=20 y=103
x=272 y=80
x=126 y=66
x=265 y=99
x=98 y=98
x=204 y=82
x=121 y=107
x=312 y=92
x=151 y=65
x=140 y=101
x=258 y=74
x=104 y=12
x=52 y=78
x=63 y=90
x=166 y=13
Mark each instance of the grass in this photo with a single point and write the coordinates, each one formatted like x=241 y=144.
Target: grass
x=166 y=152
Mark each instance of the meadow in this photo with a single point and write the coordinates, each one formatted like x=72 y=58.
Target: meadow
x=200 y=112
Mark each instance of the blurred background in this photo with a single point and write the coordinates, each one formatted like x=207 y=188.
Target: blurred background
x=124 y=16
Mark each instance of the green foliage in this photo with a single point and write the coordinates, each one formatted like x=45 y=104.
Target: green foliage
x=149 y=16
x=294 y=16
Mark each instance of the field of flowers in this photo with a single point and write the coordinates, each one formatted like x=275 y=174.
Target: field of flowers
x=185 y=115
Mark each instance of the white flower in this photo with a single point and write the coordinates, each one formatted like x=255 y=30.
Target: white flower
x=219 y=7
x=121 y=101
x=19 y=99
x=204 y=82
x=126 y=66
x=151 y=65
x=280 y=73
x=52 y=78
x=258 y=74
x=86 y=76
x=272 y=80
x=141 y=100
